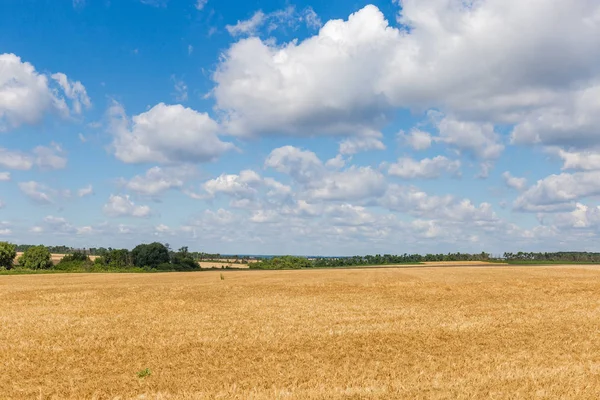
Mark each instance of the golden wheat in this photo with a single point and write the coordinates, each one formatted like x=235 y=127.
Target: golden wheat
x=413 y=333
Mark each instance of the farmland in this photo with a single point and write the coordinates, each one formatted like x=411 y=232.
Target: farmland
x=414 y=333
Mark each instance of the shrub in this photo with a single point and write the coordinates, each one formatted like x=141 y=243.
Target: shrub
x=8 y=253
x=36 y=257
x=78 y=256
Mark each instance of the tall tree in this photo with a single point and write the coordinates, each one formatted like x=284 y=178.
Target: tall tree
x=8 y=253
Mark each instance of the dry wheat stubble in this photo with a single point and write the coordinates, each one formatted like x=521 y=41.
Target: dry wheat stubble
x=498 y=332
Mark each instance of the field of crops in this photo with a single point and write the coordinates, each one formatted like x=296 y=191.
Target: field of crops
x=385 y=333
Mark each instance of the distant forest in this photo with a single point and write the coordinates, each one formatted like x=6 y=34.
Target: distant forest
x=378 y=259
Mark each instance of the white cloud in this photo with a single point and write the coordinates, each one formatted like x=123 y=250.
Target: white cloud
x=314 y=87
x=123 y=206
x=479 y=140
x=318 y=182
x=200 y=4
x=288 y=17
x=514 y=182
x=482 y=63
x=247 y=27
x=559 y=192
x=45 y=158
x=15 y=160
x=60 y=226
x=359 y=144
x=572 y=120
x=190 y=49
x=181 y=89
x=25 y=94
x=4 y=176
x=337 y=162
x=157 y=180
x=85 y=191
x=277 y=188
x=580 y=160
x=310 y=18
x=355 y=183
x=302 y=165
x=427 y=168
x=36 y=192
x=75 y=91
x=49 y=158
x=165 y=134
x=445 y=208
x=242 y=185
x=416 y=138
x=582 y=217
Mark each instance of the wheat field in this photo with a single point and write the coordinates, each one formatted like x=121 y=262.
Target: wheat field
x=393 y=333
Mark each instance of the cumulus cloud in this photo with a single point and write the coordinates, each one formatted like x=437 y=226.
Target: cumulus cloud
x=165 y=134
x=356 y=145
x=37 y=192
x=477 y=139
x=572 y=120
x=123 y=206
x=242 y=185
x=49 y=158
x=493 y=60
x=15 y=160
x=587 y=160
x=302 y=165
x=85 y=191
x=4 y=176
x=446 y=208
x=320 y=183
x=354 y=183
x=416 y=138
x=74 y=91
x=514 y=182
x=26 y=95
x=44 y=157
x=309 y=88
x=559 y=192
x=157 y=180
x=427 y=168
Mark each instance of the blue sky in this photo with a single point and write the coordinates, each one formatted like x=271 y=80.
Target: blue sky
x=273 y=127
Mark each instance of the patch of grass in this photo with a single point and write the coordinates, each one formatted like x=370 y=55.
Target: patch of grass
x=222 y=277
x=144 y=373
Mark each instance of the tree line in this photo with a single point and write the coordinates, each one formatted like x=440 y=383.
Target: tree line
x=160 y=257
x=101 y=251
x=154 y=256
x=561 y=256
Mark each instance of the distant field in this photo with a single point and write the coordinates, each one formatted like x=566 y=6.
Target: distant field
x=219 y=264
x=387 y=333
x=55 y=257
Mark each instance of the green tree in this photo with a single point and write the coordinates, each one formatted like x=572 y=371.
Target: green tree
x=183 y=261
x=8 y=253
x=150 y=255
x=36 y=257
